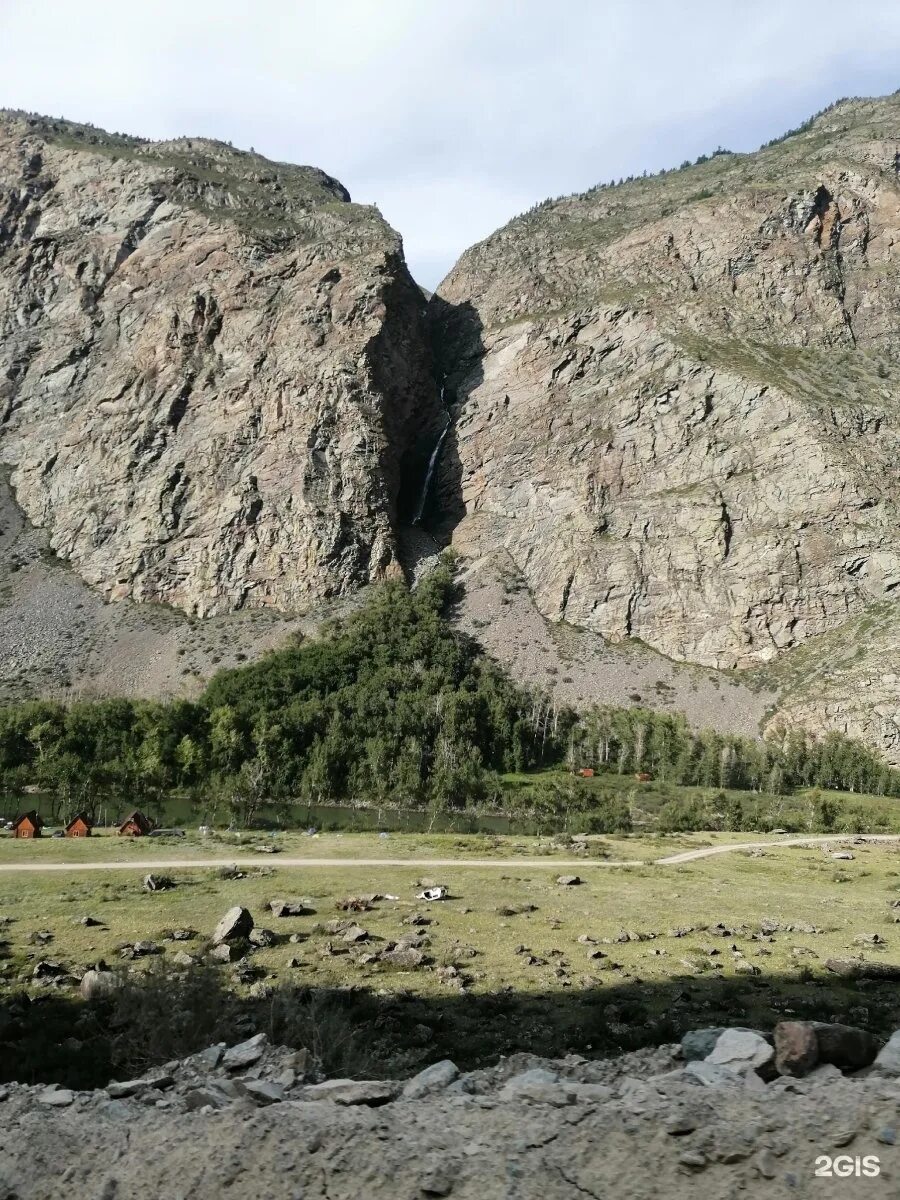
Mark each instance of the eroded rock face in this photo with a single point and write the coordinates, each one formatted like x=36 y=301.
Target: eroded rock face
x=675 y=401
x=213 y=368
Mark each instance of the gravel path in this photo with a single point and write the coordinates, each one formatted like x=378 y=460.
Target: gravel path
x=154 y=864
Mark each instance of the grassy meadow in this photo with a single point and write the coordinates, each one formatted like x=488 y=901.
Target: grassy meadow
x=520 y=978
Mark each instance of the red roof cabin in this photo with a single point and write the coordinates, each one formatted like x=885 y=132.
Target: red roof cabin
x=135 y=825
x=586 y=772
x=29 y=825
x=79 y=826
x=643 y=776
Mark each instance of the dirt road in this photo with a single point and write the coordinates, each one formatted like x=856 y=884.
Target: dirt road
x=267 y=860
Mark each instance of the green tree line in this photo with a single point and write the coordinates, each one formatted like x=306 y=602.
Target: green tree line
x=390 y=706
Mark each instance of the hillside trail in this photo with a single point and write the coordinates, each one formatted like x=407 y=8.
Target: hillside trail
x=268 y=860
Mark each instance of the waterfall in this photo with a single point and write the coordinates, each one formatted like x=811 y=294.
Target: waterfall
x=432 y=463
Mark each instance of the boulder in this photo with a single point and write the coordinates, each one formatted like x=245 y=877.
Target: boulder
x=887 y=1061
x=796 y=1048
x=538 y=1086
x=95 y=985
x=698 y=1043
x=237 y=923
x=433 y=1079
x=290 y=908
x=355 y=933
x=245 y=1054
x=263 y=1091
x=742 y=1051
x=846 y=1047
x=371 y=1092
x=262 y=937
x=403 y=956
x=568 y=880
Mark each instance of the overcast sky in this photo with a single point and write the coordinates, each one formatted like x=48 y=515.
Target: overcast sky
x=455 y=115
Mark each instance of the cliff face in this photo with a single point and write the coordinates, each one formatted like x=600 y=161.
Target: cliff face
x=214 y=369
x=677 y=401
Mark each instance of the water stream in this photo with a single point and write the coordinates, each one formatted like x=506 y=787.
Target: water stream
x=432 y=463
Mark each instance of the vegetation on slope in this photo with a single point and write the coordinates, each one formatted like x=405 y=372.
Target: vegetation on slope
x=393 y=707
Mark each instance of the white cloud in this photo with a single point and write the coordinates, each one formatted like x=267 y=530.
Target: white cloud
x=451 y=117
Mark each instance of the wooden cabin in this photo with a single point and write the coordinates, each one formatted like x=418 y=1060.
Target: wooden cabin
x=586 y=772
x=28 y=825
x=79 y=826
x=135 y=825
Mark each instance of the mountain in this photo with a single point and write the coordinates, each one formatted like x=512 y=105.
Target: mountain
x=676 y=408
x=672 y=463
x=215 y=371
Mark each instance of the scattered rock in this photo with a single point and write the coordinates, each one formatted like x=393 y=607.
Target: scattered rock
x=372 y=1092
x=237 y=923
x=245 y=1054
x=158 y=883
x=433 y=1079
x=796 y=1048
x=568 y=880
x=846 y=1047
x=262 y=937
x=740 y=1051
x=290 y=908
x=56 y=1097
x=95 y=985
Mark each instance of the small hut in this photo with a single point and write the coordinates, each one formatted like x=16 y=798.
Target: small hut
x=135 y=825
x=29 y=825
x=79 y=826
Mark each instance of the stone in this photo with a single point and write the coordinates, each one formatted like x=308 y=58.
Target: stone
x=538 y=1086
x=143 y=948
x=263 y=1091
x=741 y=1051
x=568 y=880
x=261 y=937
x=887 y=1060
x=235 y=925
x=182 y=959
x=846 y=1047
x=157 y=883
x=403 y=956
x=135 y=1087
x=209 y=1095
x=55 y=1097
x=372 y=1092
x=47 y=968
x=224 y=953
x=290 y=908
x=433 y=1079
x=796 y=1048
x=698 y=1043
x=713 y=1074
x=355 y=933
x=744 y=967
x=206 y=1060
x=96 y=985
x=245 y=1054
x=88 y=921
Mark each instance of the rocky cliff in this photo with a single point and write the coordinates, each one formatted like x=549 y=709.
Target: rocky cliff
x=213 y=368
x=676 y=400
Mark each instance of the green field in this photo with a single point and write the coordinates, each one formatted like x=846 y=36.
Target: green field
x=510 y=931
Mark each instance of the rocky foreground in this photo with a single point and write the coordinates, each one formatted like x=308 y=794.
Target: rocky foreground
x=725 y=1113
